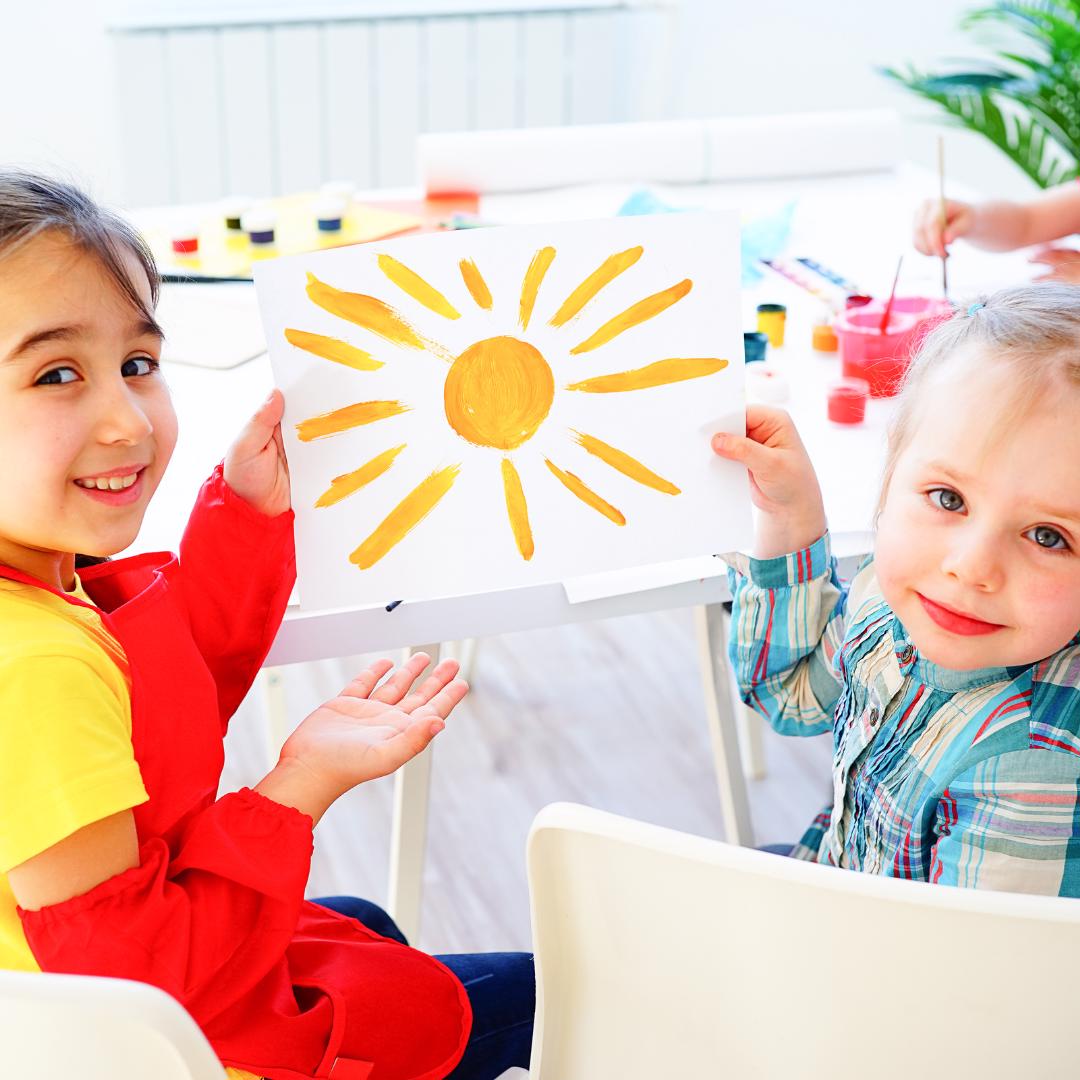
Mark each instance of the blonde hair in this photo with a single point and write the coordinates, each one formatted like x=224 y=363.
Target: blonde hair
x=1034 y=329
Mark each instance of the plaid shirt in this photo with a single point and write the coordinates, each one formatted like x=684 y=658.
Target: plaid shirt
x=962 y=777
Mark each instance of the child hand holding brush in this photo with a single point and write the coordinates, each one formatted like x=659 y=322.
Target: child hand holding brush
x=999 y=225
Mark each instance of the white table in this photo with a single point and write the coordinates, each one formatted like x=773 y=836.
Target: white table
x=857 y=225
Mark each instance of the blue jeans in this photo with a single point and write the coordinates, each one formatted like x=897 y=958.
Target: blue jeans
x=501 y=989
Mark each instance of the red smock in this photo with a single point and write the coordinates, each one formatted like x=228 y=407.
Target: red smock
x=214 y=913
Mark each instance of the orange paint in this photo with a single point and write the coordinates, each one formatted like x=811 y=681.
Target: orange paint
x=349 y=483
x=475 y=283
x=372 y=314
x=586 y=494
x=498 y=392
x=530 y=287
x=363 y=412
x=634 y=315
x=610 y=269
x=625 y=464
x=658 y=374
x=517 y=510
x=405 y=517
x=411 y=282
x=341 y=352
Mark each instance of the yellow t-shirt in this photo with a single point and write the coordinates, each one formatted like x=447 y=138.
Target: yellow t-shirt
x=66 y=758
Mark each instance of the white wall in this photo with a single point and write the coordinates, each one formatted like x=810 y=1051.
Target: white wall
x=58 y=79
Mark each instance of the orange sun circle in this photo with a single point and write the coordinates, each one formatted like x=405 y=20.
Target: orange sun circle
x=498 y=392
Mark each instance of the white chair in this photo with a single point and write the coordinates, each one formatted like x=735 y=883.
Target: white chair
x=78 y=1027
x=666 y=955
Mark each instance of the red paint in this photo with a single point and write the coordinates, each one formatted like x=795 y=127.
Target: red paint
x=185 y=245
x=847 y=401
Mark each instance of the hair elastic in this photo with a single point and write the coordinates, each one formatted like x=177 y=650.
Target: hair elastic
x=975 y=307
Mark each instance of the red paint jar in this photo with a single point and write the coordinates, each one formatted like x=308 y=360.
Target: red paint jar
x=847 y=401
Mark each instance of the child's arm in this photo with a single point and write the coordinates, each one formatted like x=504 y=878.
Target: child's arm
x=998 y=225
x=209 y=923
x=237 y=561
x=787 y=604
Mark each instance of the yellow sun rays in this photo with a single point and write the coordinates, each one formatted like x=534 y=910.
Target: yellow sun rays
x=497 y=393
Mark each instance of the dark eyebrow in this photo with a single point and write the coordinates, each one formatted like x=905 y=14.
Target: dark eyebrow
x=143 y=326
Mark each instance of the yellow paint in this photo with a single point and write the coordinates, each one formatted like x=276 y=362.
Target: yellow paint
x=610 y=269
x=349 y=483
x=658 y=374
x=372 y=314
x=363 y=412
x=411 y=282
x=637 y=313
x=771 y=323
x=625 y=464
x=475 y=283
x=341 y=352
x=517 y=510
x=586 y=494
x=405 y=517
x=498 y=392
x=530 y=287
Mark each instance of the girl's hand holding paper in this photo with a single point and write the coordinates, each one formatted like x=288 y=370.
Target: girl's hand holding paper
x=255 y=466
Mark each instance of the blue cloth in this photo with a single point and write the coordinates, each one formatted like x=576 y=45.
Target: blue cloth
x=501 y=988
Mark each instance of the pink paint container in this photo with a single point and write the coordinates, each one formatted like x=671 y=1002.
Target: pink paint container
x=882 y=359
x=847 y=401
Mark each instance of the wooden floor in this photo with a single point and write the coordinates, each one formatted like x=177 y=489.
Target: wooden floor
x=608 y=713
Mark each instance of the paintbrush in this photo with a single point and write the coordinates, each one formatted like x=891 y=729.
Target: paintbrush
x=892 y=296
x=944 y=214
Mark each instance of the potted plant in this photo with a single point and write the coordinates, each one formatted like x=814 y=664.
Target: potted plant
x=1026 y=100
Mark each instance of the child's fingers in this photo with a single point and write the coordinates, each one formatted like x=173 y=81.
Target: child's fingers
x=397 y=686
x=409 y=742
x=740 y=449
x=440 y=676
x=258 y=432
x=444 y=702
x=367 y=680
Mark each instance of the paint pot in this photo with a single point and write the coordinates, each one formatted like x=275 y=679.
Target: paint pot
x=259 y=223
x=765 y=384
x=856 y=300
x=847 y=401
x=329 y=212
x=341 y=190
x=824 y=338
x=755 y=345
x=185 y=239
x=882 y=359
x=770 y=320
x=232 y=210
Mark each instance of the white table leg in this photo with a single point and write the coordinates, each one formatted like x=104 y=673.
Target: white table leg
x=709 y=624
x=408 y=836
x=276 y=714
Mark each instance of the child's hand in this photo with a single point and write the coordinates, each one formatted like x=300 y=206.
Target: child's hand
x=1063 y=263
x=932 y=236
x=255 y=466
x=783 y=484
x=366 y=733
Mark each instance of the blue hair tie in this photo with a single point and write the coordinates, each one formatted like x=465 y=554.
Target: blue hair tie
x=975 y=307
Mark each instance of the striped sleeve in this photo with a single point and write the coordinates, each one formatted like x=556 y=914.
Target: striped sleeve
x=787 y=623
x=1012 y=823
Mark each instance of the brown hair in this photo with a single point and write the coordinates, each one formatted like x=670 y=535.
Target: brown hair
x=32 y=204
x=1033 y=328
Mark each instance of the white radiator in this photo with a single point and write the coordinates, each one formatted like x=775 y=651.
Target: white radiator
x=217 y=105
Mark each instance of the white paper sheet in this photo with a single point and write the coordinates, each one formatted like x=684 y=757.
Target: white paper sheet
x=465 y=543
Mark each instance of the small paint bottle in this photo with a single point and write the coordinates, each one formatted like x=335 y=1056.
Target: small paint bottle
x=185 y=238
x=770 y=320
x=260 y=223
x=824 y=338
x=857 y=300
x=755 y=345
x=329 y=213
x=847 y=401
x=232 y=210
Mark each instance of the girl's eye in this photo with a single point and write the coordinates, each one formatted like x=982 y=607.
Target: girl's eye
x=946 y=499
x=1048 y=538
x=139 y=365
x=57 y=376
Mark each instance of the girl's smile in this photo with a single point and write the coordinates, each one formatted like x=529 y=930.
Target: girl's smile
x=84 y=410
x=957 y=622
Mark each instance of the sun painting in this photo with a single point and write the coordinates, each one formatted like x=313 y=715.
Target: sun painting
x=498 y=392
